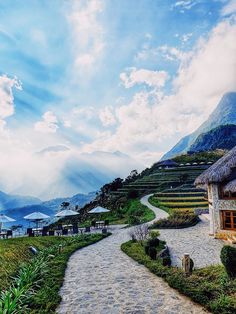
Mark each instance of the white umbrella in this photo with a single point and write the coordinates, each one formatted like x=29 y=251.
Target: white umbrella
x=4 y=218
x=36 y=216
x=66 y=212
x=98 y=210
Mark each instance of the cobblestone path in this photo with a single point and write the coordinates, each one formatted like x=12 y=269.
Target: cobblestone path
x=101 y=279
x=203 y=249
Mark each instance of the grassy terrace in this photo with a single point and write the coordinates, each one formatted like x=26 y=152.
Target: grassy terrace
x=208 y=286
x=14 y=254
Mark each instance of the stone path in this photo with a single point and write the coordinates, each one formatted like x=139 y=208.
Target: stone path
x=101 y=279
x=203 y=249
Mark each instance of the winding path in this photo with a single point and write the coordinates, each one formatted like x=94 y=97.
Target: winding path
x=101 y=279
x=203 y=249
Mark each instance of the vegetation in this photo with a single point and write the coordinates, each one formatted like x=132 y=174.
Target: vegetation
x=38 y=280
x=228 y=259
x=210 y=286
x=205 y=156
x=176 y=220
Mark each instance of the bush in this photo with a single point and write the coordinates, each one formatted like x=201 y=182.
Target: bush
x=132 y=194
x=176 y=220
x=153 y=242
x=153 y=252
x=166 y=261
x=228 y=259
x=154 y=234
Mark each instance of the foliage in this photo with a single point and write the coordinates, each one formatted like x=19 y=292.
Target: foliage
x=176 y=220
x=154 y=234
x=228 y=259
x=199 y=157
x=139 y=233
x=209 y=286
x=38 y=281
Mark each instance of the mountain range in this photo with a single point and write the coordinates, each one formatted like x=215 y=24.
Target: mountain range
x=19 y=206
x=211 y=133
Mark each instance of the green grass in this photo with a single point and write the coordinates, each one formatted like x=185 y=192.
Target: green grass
x=208 y=286
x=14 y=253
x=132 y=213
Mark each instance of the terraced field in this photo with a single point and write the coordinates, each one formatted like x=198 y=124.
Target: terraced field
x=180 y=201
x=166 y=180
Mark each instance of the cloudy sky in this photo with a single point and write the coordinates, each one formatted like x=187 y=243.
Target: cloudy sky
x=110 y=75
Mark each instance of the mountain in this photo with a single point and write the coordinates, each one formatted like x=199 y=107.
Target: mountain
x=221 y=137
x=49 y=207
x=62 y=172
x=12 y=201
x=225 y=113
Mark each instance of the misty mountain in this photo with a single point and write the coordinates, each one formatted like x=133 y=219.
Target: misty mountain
x=49 y=207
x=225 y=113
x=12 y=201
x=67 y=172
x=221 y=137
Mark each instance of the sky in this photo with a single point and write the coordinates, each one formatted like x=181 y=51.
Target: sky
x=132 y=76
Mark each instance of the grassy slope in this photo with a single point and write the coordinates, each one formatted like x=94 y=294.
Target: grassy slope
x=14 y=252
x=208 y=286
x=126 y=215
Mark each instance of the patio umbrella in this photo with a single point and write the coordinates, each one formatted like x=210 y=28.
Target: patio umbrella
x=66 y=212
x=36 y=217
x=98 y=210
x=4 y=218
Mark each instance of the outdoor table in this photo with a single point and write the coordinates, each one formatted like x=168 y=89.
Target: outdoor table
x=37 y=231
x=3 y=234
x=100 y=224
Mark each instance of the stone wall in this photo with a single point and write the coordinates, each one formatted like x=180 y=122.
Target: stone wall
x=216 y=205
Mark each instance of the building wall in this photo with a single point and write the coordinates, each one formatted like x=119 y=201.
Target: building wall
x=215 y=207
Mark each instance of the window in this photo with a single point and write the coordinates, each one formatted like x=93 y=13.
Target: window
x=229 y=219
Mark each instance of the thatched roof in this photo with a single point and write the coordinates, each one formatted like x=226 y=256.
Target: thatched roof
x=167 y=163
x=220 y=171
x=230 y=187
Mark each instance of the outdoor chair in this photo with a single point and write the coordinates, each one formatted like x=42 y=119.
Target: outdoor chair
x=87 y=229
x=104 y=231
x=45 y=231
x=51 y=232
x=29 y=230
x=65 y=232
x=75 y=229
x=106 y=223
x=9 y=233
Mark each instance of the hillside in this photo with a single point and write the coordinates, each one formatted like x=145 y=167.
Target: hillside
x=224 y=114
x=222 y=137
x=49 y=207
x=12 y=201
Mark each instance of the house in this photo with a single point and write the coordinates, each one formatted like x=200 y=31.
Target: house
x=165 y=164
x=220 y=182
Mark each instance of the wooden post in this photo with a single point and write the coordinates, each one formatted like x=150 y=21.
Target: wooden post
x=59 y=248
x=186 y=264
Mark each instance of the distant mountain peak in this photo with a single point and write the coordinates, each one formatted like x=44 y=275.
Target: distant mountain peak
x=53 y=149
x=223 y=114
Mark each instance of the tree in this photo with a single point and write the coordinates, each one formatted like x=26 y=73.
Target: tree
x=65 y=205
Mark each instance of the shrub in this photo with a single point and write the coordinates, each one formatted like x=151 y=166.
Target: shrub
x=154 y=234
x=166 y=261
x=132 y=194
x=153 y=242
x=228 y=259
x=153 y=252
x=177 y=220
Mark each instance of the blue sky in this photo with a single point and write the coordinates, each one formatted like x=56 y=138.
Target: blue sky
x=133 y=76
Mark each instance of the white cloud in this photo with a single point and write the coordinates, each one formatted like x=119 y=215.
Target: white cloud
x=229 y=8
x=185 y=4
x=87 y=32
x=49 y=123
x=152 y=122
x=6 y=97
x=107 y=117
x=143 y=76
